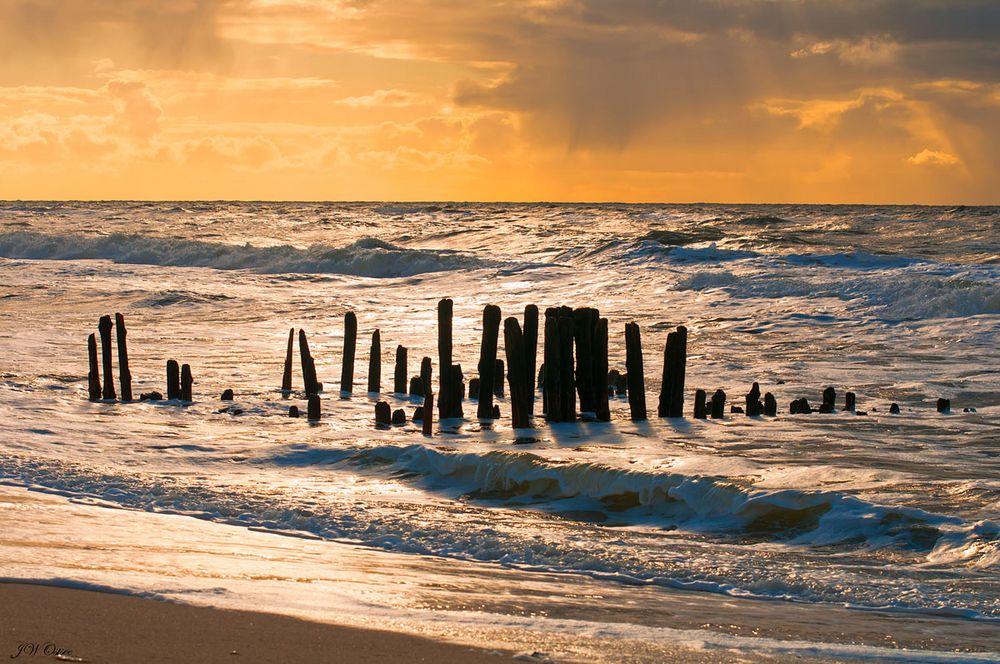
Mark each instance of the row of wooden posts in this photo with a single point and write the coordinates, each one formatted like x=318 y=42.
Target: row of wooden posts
x=575 y=364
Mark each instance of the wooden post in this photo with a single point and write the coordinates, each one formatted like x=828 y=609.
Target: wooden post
x=944 y=405
x=567 y=388
x=186 y=382
x=674 y=366
x=636 y=377
x=416 y=387
x=499 y=372
x=458 y=386
x=428 y=421
x=700 y=411
x=286 y=376
x=530 y=352
x=829 y=400
x=124 y=375
x=770 y=405
x=601 y=391
x=850 y=402
x=718 y=405
x=753 y=401
x=313 y=409
x=94 y=375
x=487 y=360
x=104 y=327
x=894 y=409
x=513 y=341
x=293 y=411
x=173 y=380
x=383 y=414
x=446 y=392
x=308 y=365
x=227 y=395
x=583 y=335
x=426 y=371
x=474 y=388
x=398 y=417
x=550 y=364
x=375 y=364
x=350 y=348
x=399 y=374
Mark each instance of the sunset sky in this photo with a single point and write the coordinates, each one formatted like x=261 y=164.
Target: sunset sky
x=809 y=101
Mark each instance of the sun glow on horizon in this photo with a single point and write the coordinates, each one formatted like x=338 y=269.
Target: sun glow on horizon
x=572 y=100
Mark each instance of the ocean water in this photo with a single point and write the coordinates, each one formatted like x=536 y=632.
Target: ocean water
x=850 y=518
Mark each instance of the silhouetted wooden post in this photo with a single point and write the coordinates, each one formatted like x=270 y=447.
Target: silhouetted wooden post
x=850 y=402
x=173 y=380
x=446 y=393
x=104 y=327
x=293 y=411
x=550 y=362
x=531 y=352
x=567 y=387
x=894 y=409
x=375 y=364
x=636 y=376
x=124 y=375
x=674 y=367
x=383 y=414
x=770 y=405
x=829 y=400
x=350 y=349
x=499 y=372
x=428 y=421
x=487 y=360
x=416 y=387
x=583 y=335
x=753 y=401
x=399 y=374
x=944 y=405
x=474 y=388
x=94 y=374
x=313 y=409
x=286 y=376
x=458 y=386
x=700 y=411
x=718 y=405
x=186 y=382
x=601 y=391
x=513 y=341
x=426 y=371
x=227 y=395
x=398 y=417
x=308 y=365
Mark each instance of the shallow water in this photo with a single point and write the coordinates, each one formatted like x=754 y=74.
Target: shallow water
x=897 y=304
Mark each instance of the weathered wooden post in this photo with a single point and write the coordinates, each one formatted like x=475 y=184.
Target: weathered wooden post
x=636 y=376
x=446 y=392
x=398 y=417
x=674 y=367
x=227 y=395
x=308 y=365
x=719 y=405
x=124 y=375
x=458 y=386
x=399 y=374
x=286 y=376
x=601 y=391
x=700 y=411
x=517 y=376
x=426 y=371
x=104 y=327
x=416 y=387
x=94 y=375
x=173 y=380
x=850 y=402
x=894 y=409
x=499 y=372
x=583 y=335
x=313 y=408
x=549 y=371
x=829 y=400
x=944 y=405
x=375 y=364
x=350 y=349
x=770 y=405
x=487 y=360
x=293 y=411
x=383 y=414
x=530 y=352
x=428 y=421
x=474 y=388
x=752 y=399
x=186 y=382
x=567 y=388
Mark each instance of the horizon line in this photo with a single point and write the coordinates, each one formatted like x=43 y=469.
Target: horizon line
x=477 y=202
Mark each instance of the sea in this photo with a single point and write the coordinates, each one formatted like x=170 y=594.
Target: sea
x=840 y=536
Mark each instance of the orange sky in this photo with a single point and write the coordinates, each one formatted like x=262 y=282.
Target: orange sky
x=627 y=100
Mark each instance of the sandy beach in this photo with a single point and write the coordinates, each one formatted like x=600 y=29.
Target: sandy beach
x=65 y=624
